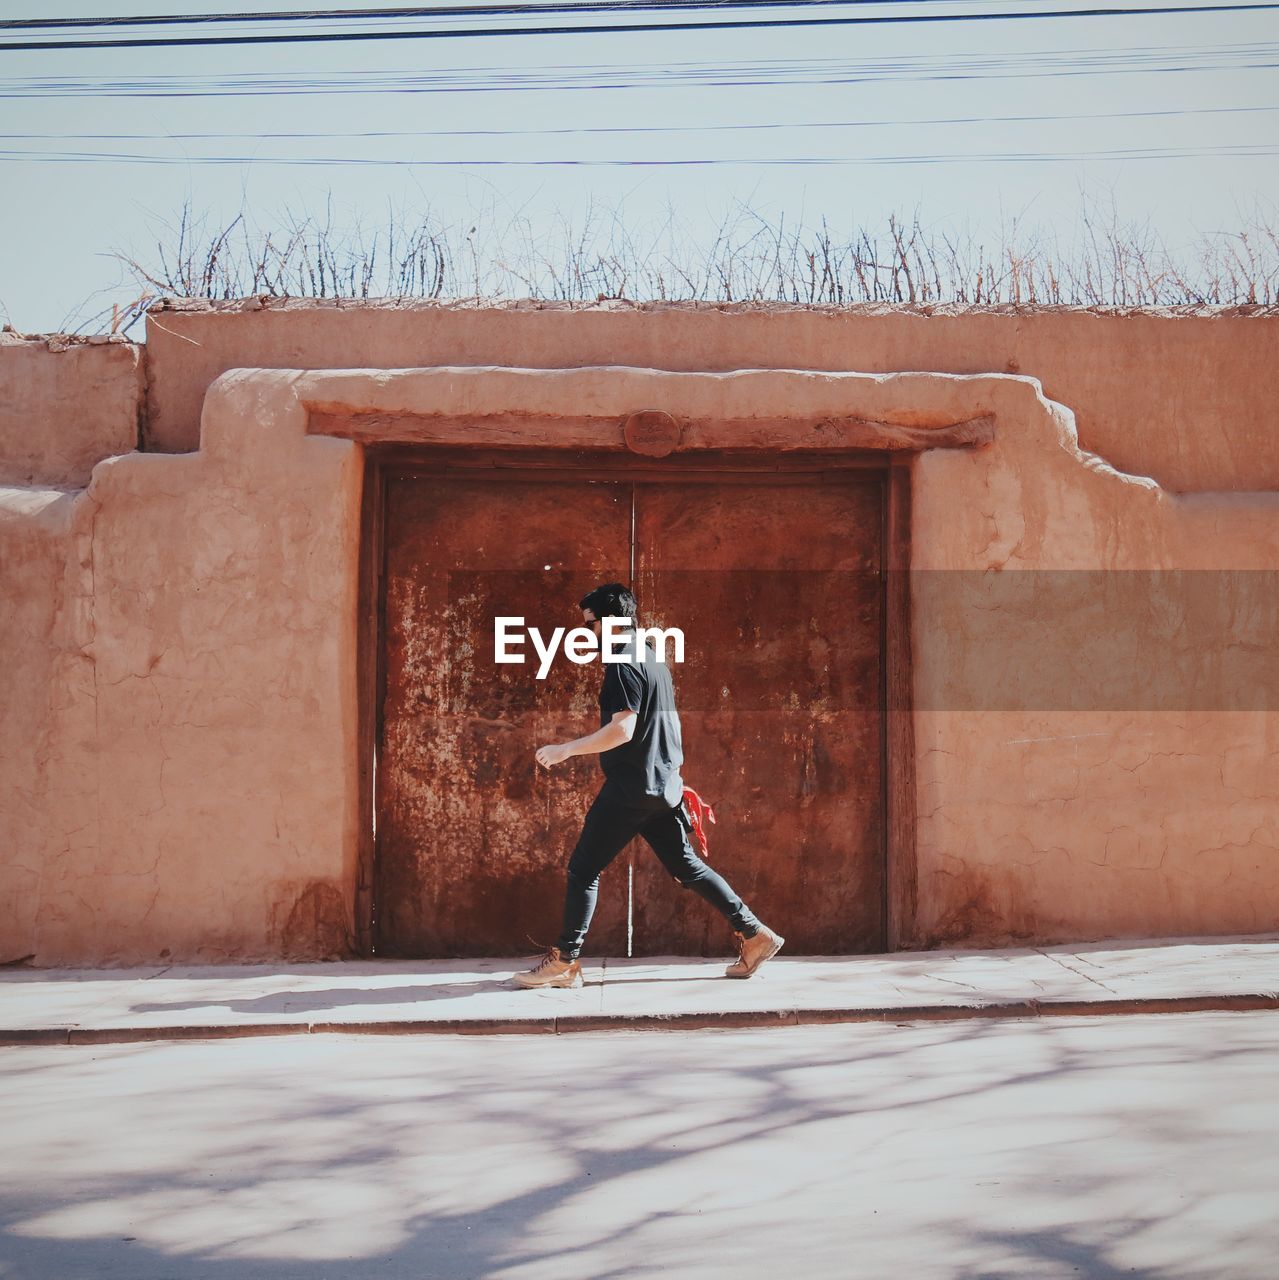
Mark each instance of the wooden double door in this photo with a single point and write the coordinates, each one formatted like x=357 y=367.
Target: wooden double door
x=776 y=583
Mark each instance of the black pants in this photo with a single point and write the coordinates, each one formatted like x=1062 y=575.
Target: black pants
x=610 y=825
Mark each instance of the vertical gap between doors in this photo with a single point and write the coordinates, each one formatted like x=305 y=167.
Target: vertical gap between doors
x=630 y=853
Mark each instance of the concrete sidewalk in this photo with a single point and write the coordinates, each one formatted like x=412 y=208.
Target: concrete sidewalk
x=96 y=1006
x=475 y=996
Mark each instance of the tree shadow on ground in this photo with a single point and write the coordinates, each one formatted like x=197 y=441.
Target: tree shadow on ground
x=573 y=1105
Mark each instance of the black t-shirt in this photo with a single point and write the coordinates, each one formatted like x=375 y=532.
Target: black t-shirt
x=645 y=770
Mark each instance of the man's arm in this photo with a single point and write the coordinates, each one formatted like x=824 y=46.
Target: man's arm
x=620 y=729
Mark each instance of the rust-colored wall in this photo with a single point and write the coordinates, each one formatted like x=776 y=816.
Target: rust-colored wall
x=65 y=404
x=1188 y=398
x=1097 y=698
x=177 y=664
x=178 y=750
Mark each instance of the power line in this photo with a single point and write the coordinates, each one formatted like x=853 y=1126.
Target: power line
x=768 y=72
x=172 y=42
x=444 y=11
x=373 y=134
x=1036 y=157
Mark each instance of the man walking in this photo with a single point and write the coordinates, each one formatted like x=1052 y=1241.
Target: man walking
x=638 y=743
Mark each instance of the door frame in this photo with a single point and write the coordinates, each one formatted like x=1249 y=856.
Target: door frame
x=776 y=420
x=897 y=763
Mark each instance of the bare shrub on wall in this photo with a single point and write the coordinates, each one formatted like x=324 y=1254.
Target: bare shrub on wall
x=598 y=254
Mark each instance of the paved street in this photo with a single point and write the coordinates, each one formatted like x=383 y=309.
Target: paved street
x=1092 y=1147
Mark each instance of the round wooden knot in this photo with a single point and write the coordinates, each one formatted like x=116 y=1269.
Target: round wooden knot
x=652 y=433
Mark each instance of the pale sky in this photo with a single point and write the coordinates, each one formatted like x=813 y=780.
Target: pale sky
x=61 y=220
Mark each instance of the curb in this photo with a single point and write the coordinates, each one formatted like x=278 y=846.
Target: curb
x=733 y=1020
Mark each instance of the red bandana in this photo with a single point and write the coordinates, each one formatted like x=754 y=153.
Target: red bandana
x=699 y=813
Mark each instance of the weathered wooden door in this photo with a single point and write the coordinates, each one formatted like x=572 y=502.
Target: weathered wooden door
x=472 y=835
x=778 y=591
x=777 y=587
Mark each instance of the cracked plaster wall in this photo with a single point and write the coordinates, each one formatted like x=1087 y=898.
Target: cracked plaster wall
x=1183 y=395
x=1095 y=755
x=65 y=404
x=178 y=683
x=178 y=751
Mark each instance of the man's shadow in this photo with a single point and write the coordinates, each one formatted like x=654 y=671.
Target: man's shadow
x=423 y=993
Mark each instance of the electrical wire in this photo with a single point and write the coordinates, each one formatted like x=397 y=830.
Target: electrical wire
x=743 y=24
x=1033 y=157
x=612 y=130
x=449 y=11
x=765 y=73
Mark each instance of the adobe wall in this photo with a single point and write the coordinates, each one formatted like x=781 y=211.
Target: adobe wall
x=66 y=403
x=177 y=681
x=1097 y=698
x=1185 y=396
x=176 y=776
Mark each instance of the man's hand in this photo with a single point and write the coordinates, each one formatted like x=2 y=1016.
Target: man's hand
x=552 y=754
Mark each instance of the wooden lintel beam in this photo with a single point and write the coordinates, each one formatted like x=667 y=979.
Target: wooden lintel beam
x=523 y=430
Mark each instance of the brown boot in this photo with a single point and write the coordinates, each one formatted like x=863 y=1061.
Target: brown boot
x=551 y=971
x=752 y=952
